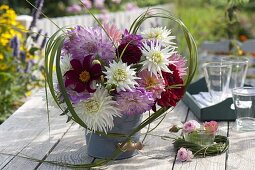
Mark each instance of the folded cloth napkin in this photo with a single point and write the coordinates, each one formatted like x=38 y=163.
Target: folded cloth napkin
x=203 y=99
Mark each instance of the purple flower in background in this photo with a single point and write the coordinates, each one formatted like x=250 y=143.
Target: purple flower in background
x=44 y=40
x=22 y=56
x=184 y=154
x=99 y=4
x=131 y=6
x=75 y=8
x=36 y=37
x=87 y=3
x=133 y=102
x=36 y=12
x=89 y=41
x=135 y=39
x=15 y=45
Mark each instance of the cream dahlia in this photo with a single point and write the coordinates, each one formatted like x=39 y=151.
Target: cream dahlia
x=156 y=57
x=159 y=34
x=98 y=111
x=121 y=75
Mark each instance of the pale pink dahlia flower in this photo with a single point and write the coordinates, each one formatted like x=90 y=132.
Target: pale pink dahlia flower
x=190 y=126
x=113 y=32
x=180 y=63
x=151 y=83
x=184 y=154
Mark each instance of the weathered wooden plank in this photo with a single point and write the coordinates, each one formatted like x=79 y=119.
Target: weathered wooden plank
x=21 y=128
x=208 y=163
x=241 y=150
x=41 y=145
x=71 y=149
x=26 y=132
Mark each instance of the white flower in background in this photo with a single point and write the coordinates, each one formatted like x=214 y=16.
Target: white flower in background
x=97 y=112
x=159 y=34
x=156 y=57
x=121 y=75
x=65 y=64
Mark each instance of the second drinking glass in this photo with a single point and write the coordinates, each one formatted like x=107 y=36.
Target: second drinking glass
x=217 y=76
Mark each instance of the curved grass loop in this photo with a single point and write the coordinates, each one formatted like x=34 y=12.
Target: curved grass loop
x=52 y=58
x=220 y=146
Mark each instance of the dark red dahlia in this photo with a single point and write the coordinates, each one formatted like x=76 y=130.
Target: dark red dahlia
x=81 y=76
x=172 y=95
x=131 y=55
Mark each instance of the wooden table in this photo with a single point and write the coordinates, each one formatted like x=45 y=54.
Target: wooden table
x=26 y=132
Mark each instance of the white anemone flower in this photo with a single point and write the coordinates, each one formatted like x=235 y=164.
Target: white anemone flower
x=65 y=64
x=98 y=111
x=159 y=34
x=157 y=58
x=121 y=75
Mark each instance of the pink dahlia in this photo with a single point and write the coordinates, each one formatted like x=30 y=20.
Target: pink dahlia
x=82 y=75
x=184 y=154
x=180 y=64
x=131 y=55
x=134 y=102
x=113 y=32
x=190 y=126
x=211 y=126
x=151 y=83
x=89 y=41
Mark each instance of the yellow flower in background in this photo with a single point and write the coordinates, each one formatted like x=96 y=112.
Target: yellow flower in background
x=9 y=27
x=3 y=66
x=1 y=56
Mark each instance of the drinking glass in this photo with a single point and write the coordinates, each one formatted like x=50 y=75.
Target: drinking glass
x=244 y=102
x=217 y=76
x=238 y=73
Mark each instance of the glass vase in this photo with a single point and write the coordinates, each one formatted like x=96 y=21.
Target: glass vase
x=200 y=137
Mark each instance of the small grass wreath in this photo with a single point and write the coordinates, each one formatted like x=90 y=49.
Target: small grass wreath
x=221 y=144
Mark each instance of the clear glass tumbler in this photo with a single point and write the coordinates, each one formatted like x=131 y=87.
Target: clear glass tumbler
x=244 y=102
x=217 y=76
x=239 y=71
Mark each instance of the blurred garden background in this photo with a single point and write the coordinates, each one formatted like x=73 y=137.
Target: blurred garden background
x=21 y=45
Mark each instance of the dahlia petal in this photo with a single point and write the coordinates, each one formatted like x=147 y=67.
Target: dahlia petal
x=79 y=87
x=76 y=64
x=87 y=62
x=96 y=70
x=69 y=82
x=72 y=74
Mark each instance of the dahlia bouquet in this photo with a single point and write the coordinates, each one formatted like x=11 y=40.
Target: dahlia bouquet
x=97 y=74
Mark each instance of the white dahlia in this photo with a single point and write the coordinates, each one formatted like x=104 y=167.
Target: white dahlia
x=97 y=112
x=159 y=34
x=121 y=75
x=156 y=57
